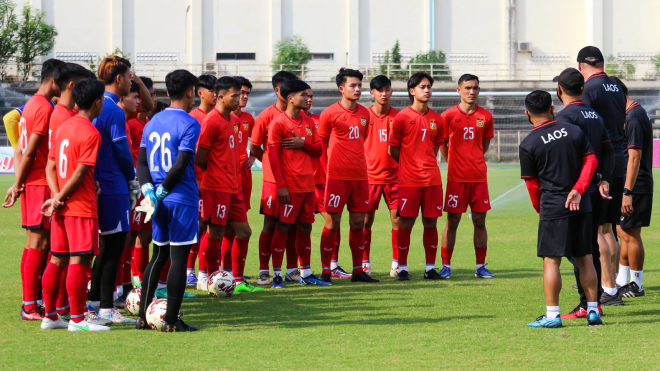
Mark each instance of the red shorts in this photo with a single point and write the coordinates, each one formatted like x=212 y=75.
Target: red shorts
x=246 y=178
x=428 y=198
x=269 y=199
x=72 y=235
x=352 y=193
x=31 y=201
x=459 y=195
x=137 y=219
x=390 y=191
x=221 y=207
x=319 y=191
x=300 y=208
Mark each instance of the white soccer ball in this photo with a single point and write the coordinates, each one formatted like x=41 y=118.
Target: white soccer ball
x=222 y=284
x=133 y=301
x=156 y=314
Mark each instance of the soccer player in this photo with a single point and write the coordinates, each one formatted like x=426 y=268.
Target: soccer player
x=268 y=206
x=343 y=127
x=205 y=90
x=468 y=132
x=32 y=185
x=569 y=90
x=217 y=154
x=75 y=232
x=382 y=169
x=114 y=172
x=606 y=98
x=415 y=137
x=166 y=172
x=637 y=197
x=292 y=143
x=557 y=163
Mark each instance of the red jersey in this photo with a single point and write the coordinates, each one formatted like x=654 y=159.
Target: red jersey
x=465 y=135
x=346 y=130
x=296 y=164
x=319 y=162
x=60 y=114
x=134 y=132
x=381 y=167
x=76 y=142
x=220 y=136
x=260 y=136
x=245 y=125
x=36 y=120
x=200 y=115
x=417 y=134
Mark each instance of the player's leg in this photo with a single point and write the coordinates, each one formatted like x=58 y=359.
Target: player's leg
x=610 y=295
x=335 y=198
x=239 y=253
x=52 y=275
x=615 y=248
x=480 y=245
x=141 y=254
x=203 y=279
x=406 y=225
x=431 y=206
x=448 y=242
x=217 y=206
x=392 y=199
x=632 y=257
x=292 y=271
x=551 y=289
x=278 y=245
x=268 y=208
x=589 y=281
x=191 y=277
x=160 y=256
x=225 y=250
x=357 y=203
x=113 y=246
x=34 y=263
x=375 y=193
x=176 y=288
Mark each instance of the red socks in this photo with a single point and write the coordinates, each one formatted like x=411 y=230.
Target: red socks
x=430 y=241
x=328 y=239
x=63 y=297
x=192 y=256
x=278 y=245
x=367 y=246
x=446 y=255
x=141 y=257
x=51 y=287
x=356 y=243
x=213 y=255
x=76 y=286
x=403 y=245
x=34 y=265
x=203 y=244
x=23 y=258
x=304 y=248
x=335 y=251
x=265 y=240
x=480 y=253
x=225 y=250
x=291 y=253
x=395 y=248
x=238 y=254
x=165 y=272
x=120 y=268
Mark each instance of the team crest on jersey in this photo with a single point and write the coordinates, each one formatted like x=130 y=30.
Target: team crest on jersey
x=235 y=128
x=391 y=121
x=309 y=131
x=433 y=125
x=363 y=121
x=246 y=125
x=480 y=123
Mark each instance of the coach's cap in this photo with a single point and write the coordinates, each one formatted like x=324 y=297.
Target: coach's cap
x=590 y=55
x=570 y=79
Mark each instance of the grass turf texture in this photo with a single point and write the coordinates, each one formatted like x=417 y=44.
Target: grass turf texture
x=463 y=323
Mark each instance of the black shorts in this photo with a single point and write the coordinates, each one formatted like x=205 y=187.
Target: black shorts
x=614 y=205
x=566 y=237
x=641 y=216
x=599 y=207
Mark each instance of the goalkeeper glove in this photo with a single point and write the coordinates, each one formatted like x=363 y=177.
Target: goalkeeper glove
x=149 y=204
x=133 y=192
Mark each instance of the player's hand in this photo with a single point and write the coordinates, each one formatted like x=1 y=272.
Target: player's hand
x=250 y=162
x=97 y=189
x=147 y=206
x=13 y=194
x=283 y=195
x=604 y=189
x=626 y=205
x=293 y=143
x=135 y=77
x=50 y=206
x=133 y=192
x=573 y=201
x=150 y=196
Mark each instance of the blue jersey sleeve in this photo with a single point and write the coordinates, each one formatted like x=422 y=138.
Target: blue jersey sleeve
x=189 y=137
x=117 y=126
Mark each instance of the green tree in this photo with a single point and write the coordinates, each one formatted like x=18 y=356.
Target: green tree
x=396 y=56
x=392 y=63
x=656 y=64
x=292 y=54
x=434 y=64
x=623 y=70
x=383 y=66
x=94 y=64
x=35 y=38
x=8 y=30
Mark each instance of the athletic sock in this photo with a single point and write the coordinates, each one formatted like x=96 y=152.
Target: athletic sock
x=265 y=240
x=23 y=258
x=278 y=245
x=141 y=257
x=34 y=263
x=76 y=286
x=201 y=254
x=637 y=277
x=51 y=287
x=592 y=306
x=446 y=254
x=291 y=253
x=403 y=268
x=395 y=264
x=480 y=253
x=162 y=281
x=403 y=244
x=225 y=250
x=212 y=255
x=552 y=312
x=335 y=248
x=238 y=254
x=304 y=249
x=202 y=274
x=189 y=271
x=327 y=247
x=356 y=243
x=623 y=276
x=395 y=249
x=291 y=270
x=430 y=241
x=126 y=277
x=610 y=291
x=63 y=297
x=192 y=257
x=367 y=246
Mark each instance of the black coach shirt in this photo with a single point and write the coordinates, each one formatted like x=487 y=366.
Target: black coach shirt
x=639 y=135
x=583 y=116
x=553 y=153
x=606 y=97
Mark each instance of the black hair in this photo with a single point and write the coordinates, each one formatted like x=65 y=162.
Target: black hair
x=48 y=68
x=467 y=77
x=281 y=77
x=86 y=92
x=623 y=86
x=178 y=82
x=226 y=83
x=148 y=83
x=67 y=72
x=292 y=87
x=206 y=82
x=415 y=80
x=347 y=72
x=380 y=82
x=538 y=102
x=244 y=82
x=91 y=75
x=135 y=87
x=160 y=106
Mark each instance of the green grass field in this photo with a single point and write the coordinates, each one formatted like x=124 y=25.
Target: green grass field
x=463 y=323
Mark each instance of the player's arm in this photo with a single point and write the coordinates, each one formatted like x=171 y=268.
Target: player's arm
x=313 y=148
x=529 y=173
x=73 y=182
x=486 y=144
x=204 y=144
x=146 y=104
x=11 y=120
x=444 y=150
x=28 y=159
x=122 y=154
x=200 y=158
x=534 y=193
x=143 y=173
x=394 y=142
x=489 y=133
x=635 y=141
x=275 y=143
x=394 y=152
x=444 y=146
x=257 y=138
x=606 y=167
x=589 y=165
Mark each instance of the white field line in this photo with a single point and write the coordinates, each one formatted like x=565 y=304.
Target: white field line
x=507 y=192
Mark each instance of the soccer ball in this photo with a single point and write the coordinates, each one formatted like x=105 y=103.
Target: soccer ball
x=156 y=314
x=221 y=284
x=133 y=301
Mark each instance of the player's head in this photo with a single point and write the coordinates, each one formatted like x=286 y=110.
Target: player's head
x=538 y=106
x=349 y=83
x=205 y=89
x=116 y=71
x=623 y=86
x=570 y=83
x=228 y=91
x=48 y=75
x=310 y=99
x=468 y=88
x=590 y=60
x=381 y=89
x=160 y=107
x=69 y=74
x=279 y=78
x=88 y=95
x=149 y=84
x=180 y=86
x=246 y=88
x=295 y=93
x=420 y=87
x=129 y=103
